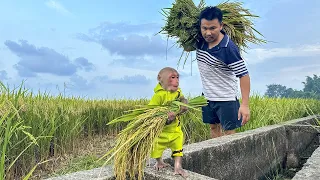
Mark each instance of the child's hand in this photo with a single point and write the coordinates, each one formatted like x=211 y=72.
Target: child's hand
x=184 y=108
x=171 y=117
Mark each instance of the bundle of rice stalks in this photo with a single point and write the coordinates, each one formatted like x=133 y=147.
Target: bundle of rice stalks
x=135 y=143
x=182 y=23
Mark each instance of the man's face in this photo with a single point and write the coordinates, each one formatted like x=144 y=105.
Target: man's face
x=210 y=29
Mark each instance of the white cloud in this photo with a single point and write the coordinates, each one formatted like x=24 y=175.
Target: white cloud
x=307 y=69
x=259 y=55
x=58 y=7
x=298 y=74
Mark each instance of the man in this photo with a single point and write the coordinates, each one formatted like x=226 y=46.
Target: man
x=220 y=64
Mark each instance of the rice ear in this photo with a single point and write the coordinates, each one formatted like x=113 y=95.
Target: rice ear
x=182 y=24
x=135 y=142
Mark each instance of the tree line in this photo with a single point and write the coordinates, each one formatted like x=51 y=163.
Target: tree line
x=311 y=89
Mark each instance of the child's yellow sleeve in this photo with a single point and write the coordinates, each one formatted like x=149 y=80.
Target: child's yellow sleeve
x=156 y=100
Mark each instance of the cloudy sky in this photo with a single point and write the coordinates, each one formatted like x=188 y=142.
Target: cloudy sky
x=103 y=49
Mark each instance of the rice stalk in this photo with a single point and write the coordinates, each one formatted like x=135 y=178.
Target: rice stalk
x=11 y=125
x=182 y=23
x=58 y=123
x=135 y=143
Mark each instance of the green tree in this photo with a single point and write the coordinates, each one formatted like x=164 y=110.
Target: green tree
x=289 y=93
x=312 y=84
x=311 y=89
x=276 y=90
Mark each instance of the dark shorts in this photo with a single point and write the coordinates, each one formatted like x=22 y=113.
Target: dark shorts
x=224 y=112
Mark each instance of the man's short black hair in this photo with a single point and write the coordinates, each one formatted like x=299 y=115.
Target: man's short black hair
x=210 y=13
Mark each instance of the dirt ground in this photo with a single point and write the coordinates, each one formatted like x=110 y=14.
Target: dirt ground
x=84 y=156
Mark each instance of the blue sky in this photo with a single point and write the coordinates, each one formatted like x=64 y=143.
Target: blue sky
x=103 y=49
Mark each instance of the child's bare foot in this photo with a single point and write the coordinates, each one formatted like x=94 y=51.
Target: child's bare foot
x=160 y=165
x=180 y=171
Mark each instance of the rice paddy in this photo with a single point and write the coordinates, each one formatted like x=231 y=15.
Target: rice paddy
x=39 y=127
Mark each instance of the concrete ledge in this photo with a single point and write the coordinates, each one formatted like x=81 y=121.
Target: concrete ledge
x=252 y=154
x=249 y=155
x=311 y=169
x=103 y=173
x=106 y=173
x=309 y=120
x=167 y=174
x=300 y=136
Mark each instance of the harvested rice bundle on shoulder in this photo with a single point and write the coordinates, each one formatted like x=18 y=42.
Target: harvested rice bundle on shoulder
x=135 y=142
x=182 y=23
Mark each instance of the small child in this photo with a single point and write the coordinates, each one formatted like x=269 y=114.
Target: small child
x=172 y=136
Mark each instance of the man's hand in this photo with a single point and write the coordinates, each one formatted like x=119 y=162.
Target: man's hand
x=244 y=112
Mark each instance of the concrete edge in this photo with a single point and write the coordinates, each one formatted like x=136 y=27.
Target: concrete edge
x=306 y=123
x=311 y=120
x=167 y=174
x=107 y=171
x=222 y=140
x=310 y=169
x=303 y=128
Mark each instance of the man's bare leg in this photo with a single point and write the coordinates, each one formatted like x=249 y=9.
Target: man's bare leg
x=216 y=130
x=160 y=164
x=228 y=132
x=178 y=167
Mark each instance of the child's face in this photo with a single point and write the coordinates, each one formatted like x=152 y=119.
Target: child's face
x=173 y=81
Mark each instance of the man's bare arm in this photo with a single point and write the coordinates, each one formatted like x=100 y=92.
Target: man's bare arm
x=244 y=111
x=245 y=89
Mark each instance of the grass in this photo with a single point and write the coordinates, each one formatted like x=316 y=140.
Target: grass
x=84 y=157
x=40 y=127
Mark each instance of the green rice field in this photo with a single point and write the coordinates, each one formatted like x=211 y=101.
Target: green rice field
x=37 y=128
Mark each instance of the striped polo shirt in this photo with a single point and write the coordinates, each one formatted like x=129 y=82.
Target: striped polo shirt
x=219 y=69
